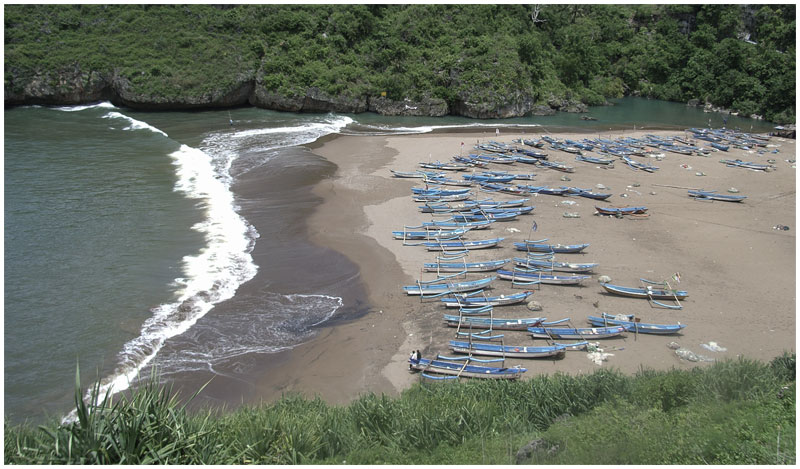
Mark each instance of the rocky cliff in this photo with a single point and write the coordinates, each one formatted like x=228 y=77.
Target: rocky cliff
x=76 y=86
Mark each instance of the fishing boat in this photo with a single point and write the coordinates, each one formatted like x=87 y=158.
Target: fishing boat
x=461 y=245
x=440 y=198
x=510 y=351
x=576 y=333
x=620 y=210
x=485 y=266
x=453 y=369
x=521 y=324
x=542 y=189
x=438 y=288
x=500 y=216
x=712 y=195
x=430 y=234
x=646 y=293
x=745 y=164
x=585 y=193
x=414 y=174
x=445 y=166
x=540 y=277
x=637 y=165
x=452 y=224
x=595 y=160
x=539 y=246
x=438 y=191
x=469 y=300
x=545 y=264
x=627 y=321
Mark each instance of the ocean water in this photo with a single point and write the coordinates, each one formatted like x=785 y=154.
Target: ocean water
x=175 y=240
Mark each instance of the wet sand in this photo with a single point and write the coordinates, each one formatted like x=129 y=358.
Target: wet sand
x=738 y=270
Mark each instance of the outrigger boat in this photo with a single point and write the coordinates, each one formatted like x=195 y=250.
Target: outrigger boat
x=521 y=324
x=645 y=293
x=627 y=321
x=423 y=289
x=470 y=300
x=539 y=277
x=452 y=369
x=485 y=266
x=582 y=333
x=512 y=351
x=621 y=210
x=545 y=264
x=461 y=245
x=712 y=195
x=539 y=246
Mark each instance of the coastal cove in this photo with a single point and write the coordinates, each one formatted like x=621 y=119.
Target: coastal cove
x=312 y=301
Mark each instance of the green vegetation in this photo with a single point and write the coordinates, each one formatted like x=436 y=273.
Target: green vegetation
x=733 y=412
x=496 y=54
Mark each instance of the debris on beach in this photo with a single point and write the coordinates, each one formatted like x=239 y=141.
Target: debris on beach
x=781 y=227
x=512 y=230
x=733 y=190
x=600 y=186
x=598 y=357
x=604 y=279
x=688 y=355
x=685 y=166
x=568 y=202
x=714 y=347
x=571 y=215
x=534 y=305
x=565 y=178
x=700 y=174
x=674 y=345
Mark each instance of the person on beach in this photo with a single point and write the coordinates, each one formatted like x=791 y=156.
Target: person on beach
x=419 y=355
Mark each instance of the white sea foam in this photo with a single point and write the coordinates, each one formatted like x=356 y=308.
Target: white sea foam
x=211 y=276
x=371 y=129
x=103 y=105
x=134 y=124
x=301 y=134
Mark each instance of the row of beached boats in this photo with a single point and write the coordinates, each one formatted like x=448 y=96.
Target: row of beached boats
x=477 y=344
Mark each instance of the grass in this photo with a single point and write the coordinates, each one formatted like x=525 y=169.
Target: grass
x=733 y=412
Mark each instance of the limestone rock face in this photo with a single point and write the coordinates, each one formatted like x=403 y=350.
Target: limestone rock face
x=427 y=107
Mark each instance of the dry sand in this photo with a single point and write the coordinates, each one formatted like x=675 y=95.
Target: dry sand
x=738 y=270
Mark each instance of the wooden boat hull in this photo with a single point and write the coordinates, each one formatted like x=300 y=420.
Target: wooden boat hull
x=646 y=293
x=510 y=351
x=621 y=210
x=469 y=371
x=714 y=196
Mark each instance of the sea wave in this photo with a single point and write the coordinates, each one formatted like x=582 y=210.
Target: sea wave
x=381 y=129
x=102 y=105
x=134 y=124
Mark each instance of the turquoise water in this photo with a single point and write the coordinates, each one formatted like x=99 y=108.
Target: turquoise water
x=123 y=230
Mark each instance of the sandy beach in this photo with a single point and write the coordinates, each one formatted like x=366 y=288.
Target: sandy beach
x=739 y=270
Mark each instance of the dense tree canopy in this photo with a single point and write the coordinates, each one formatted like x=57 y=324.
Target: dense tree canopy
x=740 y=57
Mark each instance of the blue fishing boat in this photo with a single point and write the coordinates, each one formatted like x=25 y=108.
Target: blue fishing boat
x=712 y=195
x=521 y=324
x=646 y=293
x=472 y=300
x=430 y=234
x=484 y=266
x=573 y=333
x=549 y=264
x=627 y=321
x=511 y=351
x=453 y=369
x=447 y=287
x=541 y=277
x=539 y=246
x=461 y=245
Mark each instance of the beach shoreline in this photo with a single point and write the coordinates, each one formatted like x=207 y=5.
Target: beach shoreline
x=710 y=245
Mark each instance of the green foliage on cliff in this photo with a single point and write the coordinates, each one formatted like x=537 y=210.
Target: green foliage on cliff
x=458 y=53
x=733 y=412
